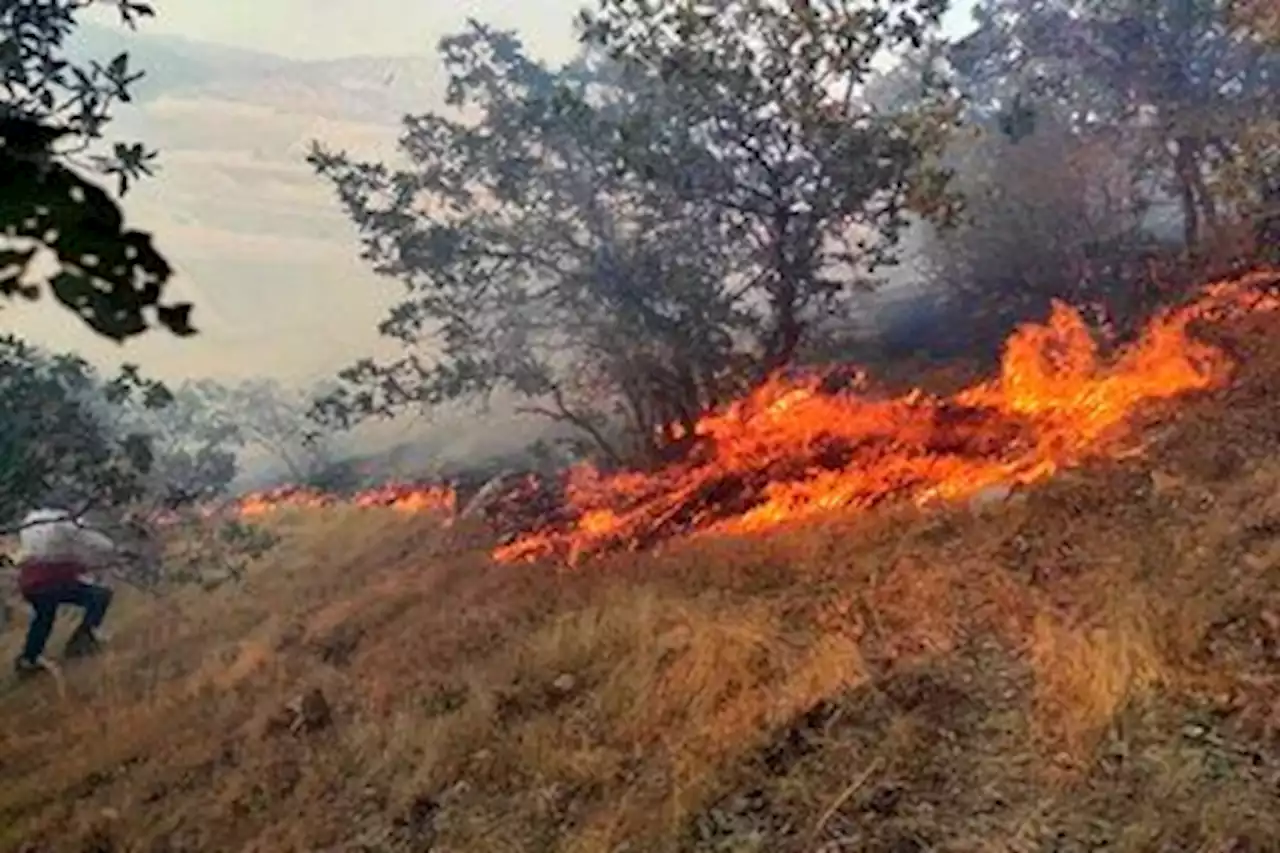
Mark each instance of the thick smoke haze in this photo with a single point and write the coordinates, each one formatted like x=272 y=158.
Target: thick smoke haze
x=235 y=92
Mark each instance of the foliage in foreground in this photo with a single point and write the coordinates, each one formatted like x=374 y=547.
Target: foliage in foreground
x=53 y=112
x=125 y=453
x=56 y=434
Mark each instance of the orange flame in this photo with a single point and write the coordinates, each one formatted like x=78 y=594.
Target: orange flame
x=410 y=499
x=788 y=450
x=402 y=498
x=262 y=503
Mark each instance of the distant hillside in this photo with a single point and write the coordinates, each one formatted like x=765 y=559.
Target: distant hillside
x=370 y=88
x=171 y=62
x=367 y=88
x=256 y=237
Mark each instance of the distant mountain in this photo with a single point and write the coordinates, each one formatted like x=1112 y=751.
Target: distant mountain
x=259 y=242
x=170 y=62
x=375 y=89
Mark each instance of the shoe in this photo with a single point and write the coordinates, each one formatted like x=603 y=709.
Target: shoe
x=26 y=667
x=82 y=644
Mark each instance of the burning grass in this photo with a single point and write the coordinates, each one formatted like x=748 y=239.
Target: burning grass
x=802 y=446
x=794 y=448
x=403 y=497
x=1091 y=665
x=873 y=680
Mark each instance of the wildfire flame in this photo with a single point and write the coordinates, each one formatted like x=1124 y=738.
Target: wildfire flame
x=792 y=449
x=401 y=497
x=789 y=450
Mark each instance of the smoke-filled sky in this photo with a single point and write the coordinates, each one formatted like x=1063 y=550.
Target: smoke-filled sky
x=323 y=29
x=314 y=29
x=258 y=241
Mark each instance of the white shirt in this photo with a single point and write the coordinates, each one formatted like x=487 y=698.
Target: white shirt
x=53 y=534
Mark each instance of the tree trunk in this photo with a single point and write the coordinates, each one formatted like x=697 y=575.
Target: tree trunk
x=787 y=331
x=1185 y=167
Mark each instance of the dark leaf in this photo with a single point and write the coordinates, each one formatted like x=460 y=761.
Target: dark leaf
x=176 y=318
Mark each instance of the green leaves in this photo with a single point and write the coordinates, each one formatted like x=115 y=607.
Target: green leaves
x=110 y=276
x=13 y=265
x=544 y=263
x=1190 y=82
x=60 y=431
x=51 y=111
x=758 y=114
x=128 y=163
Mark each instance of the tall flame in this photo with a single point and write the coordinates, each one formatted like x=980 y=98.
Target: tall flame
x=789 y=450
x=401 y=497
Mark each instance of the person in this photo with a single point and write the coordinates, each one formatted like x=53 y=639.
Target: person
x=58 y=554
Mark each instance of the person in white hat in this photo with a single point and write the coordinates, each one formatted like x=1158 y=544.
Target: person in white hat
x=59 y=553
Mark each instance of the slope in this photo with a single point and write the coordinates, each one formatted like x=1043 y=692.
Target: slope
x=170 y=62
x=1090 y=665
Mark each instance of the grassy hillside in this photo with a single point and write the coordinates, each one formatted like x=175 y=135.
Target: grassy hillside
x=1094 y=664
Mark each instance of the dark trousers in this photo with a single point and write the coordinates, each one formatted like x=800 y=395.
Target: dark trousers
x=93 y=599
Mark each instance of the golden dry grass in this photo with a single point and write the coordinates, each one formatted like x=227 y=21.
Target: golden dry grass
x=1096 y=666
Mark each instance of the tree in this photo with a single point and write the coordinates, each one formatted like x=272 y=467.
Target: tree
x=106 y=446
x=1195 y=82
x=52 y=115
x=621 y=247
x=55 y=437
x=194 y=446
x=1052 y=210
x=536 y=266
x=199 y=437
x=263 y=414
x=760 y=116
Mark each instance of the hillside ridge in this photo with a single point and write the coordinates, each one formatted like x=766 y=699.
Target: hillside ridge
x=1092 y=666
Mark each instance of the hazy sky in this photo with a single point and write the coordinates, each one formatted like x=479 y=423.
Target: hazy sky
x=315 y=29
x=257 y=241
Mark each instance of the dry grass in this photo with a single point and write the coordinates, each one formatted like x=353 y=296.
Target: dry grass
x=1094 y=667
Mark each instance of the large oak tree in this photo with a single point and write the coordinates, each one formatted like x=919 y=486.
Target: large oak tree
x=627 y=240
